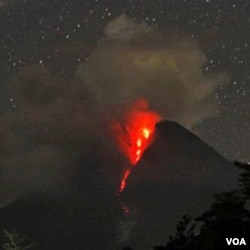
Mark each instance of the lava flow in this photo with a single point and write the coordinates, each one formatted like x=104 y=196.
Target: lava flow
x=138 y=143
x=134 y=136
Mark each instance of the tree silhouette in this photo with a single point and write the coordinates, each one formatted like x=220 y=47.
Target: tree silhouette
x=244 y=180
x=184 y=237
x=227 y=217
x=16 y=241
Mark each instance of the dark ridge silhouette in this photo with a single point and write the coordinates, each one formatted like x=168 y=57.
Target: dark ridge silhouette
x=178 y=174
x=80 y=213
x=227 y=217
x=178 y=154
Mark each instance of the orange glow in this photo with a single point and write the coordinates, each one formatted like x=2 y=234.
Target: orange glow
x=146 y=133
x=133 y=137
x=140 y=125
x=123 y=181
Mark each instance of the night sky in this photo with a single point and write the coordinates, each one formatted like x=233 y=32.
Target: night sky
x=36 y=32
x=78 y=80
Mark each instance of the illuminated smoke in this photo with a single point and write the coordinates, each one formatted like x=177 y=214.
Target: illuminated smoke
x=135 y=61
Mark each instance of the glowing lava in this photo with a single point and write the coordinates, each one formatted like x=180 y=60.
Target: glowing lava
x=123 y=181
x=134 y=136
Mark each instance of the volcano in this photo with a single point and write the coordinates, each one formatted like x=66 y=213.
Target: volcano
x=178 y=155
x=177 y=174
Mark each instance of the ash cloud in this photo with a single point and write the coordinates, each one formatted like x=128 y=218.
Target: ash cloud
x=60 y=127
x=133 y=61
x=58 y=121
x=54 y=123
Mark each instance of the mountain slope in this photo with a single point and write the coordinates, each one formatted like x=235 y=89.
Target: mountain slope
x=178 y=174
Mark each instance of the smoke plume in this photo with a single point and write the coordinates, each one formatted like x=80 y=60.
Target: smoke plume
x=57 y=121
x=136 y=61
x=43 y=132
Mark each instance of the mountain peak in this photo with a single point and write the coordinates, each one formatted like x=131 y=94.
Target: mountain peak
x=178 y=174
